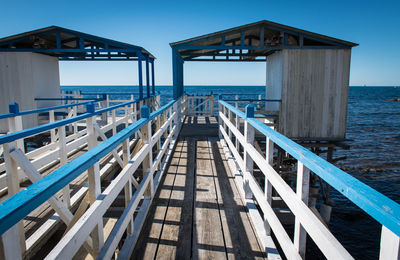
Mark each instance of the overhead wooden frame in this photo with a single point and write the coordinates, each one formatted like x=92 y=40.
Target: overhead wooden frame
x=253 y=42
x=72 y=45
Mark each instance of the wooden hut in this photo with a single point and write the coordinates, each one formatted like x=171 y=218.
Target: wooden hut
x=29 y=65
x=308 y=72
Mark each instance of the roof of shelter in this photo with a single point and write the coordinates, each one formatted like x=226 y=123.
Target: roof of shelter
x=68 y=44
x=253 y=42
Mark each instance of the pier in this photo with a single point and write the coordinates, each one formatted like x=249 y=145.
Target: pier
x=199 y=177
x=183 y=190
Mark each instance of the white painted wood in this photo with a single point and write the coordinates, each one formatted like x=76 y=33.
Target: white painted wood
x=74 y=238
x=60 y=207
x=94 y=186
x=104 y=137
x=328 y=244
x=63 y=160
x=11 y=249
x=302 y=190
x=390 y=245
x=13 y=188
x=28 y=75
x=269 y=156
x=266 y=240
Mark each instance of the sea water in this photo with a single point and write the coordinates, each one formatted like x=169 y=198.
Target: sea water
x=373 y=130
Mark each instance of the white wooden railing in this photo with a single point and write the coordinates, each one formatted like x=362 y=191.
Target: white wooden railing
x=166 y=121
x=384 y=210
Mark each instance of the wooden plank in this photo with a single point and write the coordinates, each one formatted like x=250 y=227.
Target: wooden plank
x=146 y=247
x=175 y=240
x=240 y=239
x=208 y=237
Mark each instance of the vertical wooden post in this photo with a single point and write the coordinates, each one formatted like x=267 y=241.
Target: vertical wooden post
x=52 y=131
x=75 y=113
x=94 y=180
x=302 y=190
x=248 y=161
x=15 y=124
x=390 y=245
x=219 y=118
x=128 y=186
x=269 y=154
x=237 y=102
x=12 y=249
x=148 y=160
x=212 y=105
x=230 y=117
x=104 y=105
x=62 y=142
x=114 y=120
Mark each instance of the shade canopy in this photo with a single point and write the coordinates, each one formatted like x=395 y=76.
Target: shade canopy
x=68 y=44
x=253 y=42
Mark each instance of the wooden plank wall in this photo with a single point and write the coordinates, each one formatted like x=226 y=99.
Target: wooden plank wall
x=24 y=76
x=315 y=85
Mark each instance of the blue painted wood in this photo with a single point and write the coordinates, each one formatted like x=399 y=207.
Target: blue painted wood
x=147 y=78
x=249 y=111
x=40 y=110
x=254 y=99
x=380 y=207
x=153 y=84
x=46 y=127
x=246 y=47
x=19 y=205
x=177 y=74
x=13 y=108
x=140 y=76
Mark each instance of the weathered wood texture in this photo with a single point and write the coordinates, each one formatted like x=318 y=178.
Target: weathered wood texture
x=198 y=212
x=314 y=91
x=24 y=76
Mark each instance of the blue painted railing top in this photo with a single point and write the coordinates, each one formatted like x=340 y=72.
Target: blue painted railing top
x=380 y=207
x=40 y=110
x=42 y=128
x=19 y=205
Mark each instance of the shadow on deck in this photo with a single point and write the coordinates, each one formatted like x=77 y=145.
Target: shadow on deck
x=197 y=211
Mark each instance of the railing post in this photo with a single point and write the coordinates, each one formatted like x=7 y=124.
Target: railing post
x=219 y=118
x=211 y=105
x=390 y=245
x=15 y=124
x=62 y=141
x=104 y=116
x=302 y=190
x=75 y=113
x=113 y=120
x=148 y=160
x=269 y=154
x=248 y=161
x=12 y=250
x=94 y=180
x=237 y=102
x=52 y=131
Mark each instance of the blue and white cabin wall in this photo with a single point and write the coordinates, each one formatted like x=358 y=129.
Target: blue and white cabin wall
x=23 y=77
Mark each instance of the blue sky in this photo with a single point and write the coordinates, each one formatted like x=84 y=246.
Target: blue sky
x=154 y=24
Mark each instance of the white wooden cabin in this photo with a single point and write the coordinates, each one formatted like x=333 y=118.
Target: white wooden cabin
x=308 y=72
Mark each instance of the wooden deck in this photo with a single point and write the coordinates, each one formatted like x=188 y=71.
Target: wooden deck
x=197 y=211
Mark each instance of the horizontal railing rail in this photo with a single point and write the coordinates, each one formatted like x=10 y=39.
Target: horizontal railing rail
x=46 y=127
x=41 y=110
x=252 y=100
x=378 y=206
x=68 y=98
x=167 y=122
